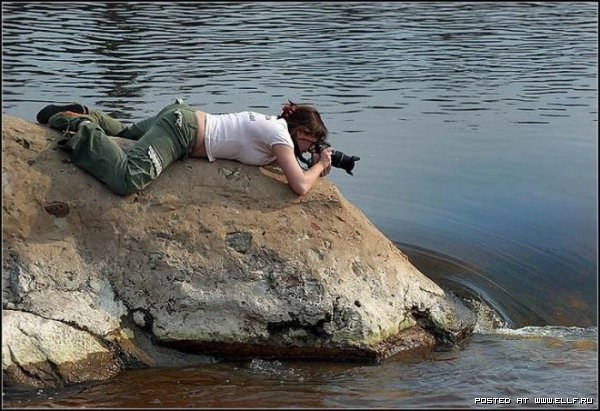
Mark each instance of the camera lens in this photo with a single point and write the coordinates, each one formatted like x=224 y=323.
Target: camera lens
x=338 y=159
x=341 y=160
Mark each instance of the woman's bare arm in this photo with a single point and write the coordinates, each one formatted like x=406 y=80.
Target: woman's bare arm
x=300 y=181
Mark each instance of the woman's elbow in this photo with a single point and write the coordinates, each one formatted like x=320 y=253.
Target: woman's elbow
x=300 y=189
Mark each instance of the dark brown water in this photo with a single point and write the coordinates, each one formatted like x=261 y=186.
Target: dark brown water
x=529 y=363
x=476 y=124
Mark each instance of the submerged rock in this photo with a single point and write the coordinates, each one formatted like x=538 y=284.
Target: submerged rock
x=217 y=259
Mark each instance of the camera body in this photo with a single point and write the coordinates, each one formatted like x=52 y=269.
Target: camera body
x=338 y=159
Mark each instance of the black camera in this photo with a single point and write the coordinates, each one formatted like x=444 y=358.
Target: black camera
x=338 y=159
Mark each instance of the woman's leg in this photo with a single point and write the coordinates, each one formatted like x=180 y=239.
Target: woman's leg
x=133 y=132
x=140 y=128
x=125 y=173
x=111 y=126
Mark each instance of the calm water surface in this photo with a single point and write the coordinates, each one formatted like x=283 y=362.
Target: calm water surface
x=476 y=125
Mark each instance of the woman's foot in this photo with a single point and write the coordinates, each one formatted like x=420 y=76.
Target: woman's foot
x=44 y=114
x=68 y=121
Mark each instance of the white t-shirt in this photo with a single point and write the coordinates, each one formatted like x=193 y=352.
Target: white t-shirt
x=247 y=137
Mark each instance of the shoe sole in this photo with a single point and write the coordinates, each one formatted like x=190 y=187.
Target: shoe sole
x=44 y=115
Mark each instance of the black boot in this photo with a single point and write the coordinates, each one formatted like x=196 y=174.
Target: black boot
x=51 y=109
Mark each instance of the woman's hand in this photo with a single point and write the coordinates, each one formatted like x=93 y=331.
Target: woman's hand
x=325 y=158
x=301 y=181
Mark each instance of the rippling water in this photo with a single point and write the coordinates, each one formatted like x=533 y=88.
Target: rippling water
x=533 y=363
x=476 y=125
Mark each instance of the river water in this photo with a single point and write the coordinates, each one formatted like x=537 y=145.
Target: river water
x=476 y=124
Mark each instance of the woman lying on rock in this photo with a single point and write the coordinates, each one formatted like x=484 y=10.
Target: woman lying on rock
x=179 y=130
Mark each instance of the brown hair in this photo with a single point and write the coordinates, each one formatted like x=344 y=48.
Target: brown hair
x=304 y=117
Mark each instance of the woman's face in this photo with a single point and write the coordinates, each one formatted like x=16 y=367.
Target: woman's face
x=305 y=141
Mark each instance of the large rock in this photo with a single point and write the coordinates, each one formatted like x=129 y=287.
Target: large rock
x=216 y=259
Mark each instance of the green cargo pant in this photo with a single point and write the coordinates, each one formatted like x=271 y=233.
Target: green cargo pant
x=161 y=140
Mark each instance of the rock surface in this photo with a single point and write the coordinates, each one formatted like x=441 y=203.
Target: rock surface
x=216 y=259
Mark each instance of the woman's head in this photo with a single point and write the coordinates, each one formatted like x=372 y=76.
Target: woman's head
x=304 y=124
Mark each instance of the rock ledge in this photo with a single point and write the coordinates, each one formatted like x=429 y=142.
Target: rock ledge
x=215 y=259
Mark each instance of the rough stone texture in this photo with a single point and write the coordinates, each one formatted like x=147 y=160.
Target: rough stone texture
x=219 y=259
x=51 y=351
